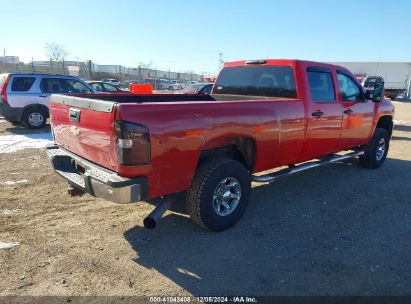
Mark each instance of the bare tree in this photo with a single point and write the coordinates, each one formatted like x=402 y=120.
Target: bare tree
x=56 y=51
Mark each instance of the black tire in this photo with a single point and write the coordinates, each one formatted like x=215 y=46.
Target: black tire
x=28 y=120
x=208 y=179
x=170 y=88
x=373 y=157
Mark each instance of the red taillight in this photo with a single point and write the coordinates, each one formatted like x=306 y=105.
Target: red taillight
x=4 y=90
x=133 y=143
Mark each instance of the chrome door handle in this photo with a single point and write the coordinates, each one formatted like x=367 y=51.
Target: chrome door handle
x=43 y=96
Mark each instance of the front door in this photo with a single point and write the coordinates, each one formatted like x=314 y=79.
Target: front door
x=358 y=113
x=324 y=114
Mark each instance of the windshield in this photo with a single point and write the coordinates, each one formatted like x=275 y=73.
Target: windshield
x=194 y=88
x=268 y=81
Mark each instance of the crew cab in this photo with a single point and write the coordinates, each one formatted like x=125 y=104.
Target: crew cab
x=261 y=115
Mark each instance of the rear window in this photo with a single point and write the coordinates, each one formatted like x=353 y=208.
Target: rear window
x=22 y=84
x=268 y=81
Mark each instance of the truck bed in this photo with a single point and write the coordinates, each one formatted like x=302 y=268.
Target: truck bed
x=189 y=123
x=150 y=98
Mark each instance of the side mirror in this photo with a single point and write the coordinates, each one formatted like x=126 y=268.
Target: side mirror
x=376 y=94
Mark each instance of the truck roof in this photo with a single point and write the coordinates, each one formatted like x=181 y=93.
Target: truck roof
x=282 y=62
x=38 y=74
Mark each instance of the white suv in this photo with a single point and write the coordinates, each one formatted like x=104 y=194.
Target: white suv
x=25 y=98
x=175 y=85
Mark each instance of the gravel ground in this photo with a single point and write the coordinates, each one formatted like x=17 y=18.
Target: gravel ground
x=335 y=230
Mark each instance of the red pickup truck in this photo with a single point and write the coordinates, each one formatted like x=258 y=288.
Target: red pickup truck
x=261 y=115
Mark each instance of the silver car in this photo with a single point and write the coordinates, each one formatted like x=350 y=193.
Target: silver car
x=25 y=98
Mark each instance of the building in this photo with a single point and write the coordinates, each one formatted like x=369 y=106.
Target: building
x=112 y=69
x=397 y=75
x=10 y=59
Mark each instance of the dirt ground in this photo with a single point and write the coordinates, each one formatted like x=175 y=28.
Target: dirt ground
x=335 y=230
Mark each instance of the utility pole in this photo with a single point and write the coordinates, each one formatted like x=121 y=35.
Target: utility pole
x=139 y=74
x=408 y=95
x=89 y=68
x=155 y=78
x=32 y=63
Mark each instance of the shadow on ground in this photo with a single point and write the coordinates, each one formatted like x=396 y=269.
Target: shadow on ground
x=401 y=138
x=336 y=230
x=20 y=130
x=402 y=128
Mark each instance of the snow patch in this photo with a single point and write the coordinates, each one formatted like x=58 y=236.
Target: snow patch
x=13 y=143
x=10 y=211
x=8 y=245
x=11 y=183
x=401 y=122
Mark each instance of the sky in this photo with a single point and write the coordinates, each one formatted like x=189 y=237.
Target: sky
x=188 y=35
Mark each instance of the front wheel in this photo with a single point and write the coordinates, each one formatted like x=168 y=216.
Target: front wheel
x=219 y=194
x=377 y=149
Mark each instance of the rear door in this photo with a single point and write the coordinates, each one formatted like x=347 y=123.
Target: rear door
x=22 y=91
x=358 y=113
x=59 y=85
x=324 y=113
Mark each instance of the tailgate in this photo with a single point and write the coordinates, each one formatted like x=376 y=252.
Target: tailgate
x=85 y=127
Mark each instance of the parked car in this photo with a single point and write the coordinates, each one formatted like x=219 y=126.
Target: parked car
x=198 y=88
x=25 y=98
x=114 y=82
x=370 y=81
x=157 y=84
x=175 y=85
x=100 y=86
x=262 y=114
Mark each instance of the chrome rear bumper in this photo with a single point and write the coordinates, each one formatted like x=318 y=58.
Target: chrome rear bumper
x=96 y=180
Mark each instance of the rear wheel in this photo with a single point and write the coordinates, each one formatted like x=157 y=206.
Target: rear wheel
x=219 y=194
x=377 y=149
x=34 y=118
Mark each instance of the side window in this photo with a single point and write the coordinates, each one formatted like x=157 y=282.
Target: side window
x=22 y=84
x=51 y=85
x=348 y=88
x=97 y=87
x=321 y=84
x=75 y=86
x=206 y=89
x=109 y=87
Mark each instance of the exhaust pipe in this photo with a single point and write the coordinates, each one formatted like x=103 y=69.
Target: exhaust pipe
x=150 y=222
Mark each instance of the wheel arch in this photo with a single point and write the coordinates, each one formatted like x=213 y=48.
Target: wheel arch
x=37 y=106
x=240 y=148
x=386 y=122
